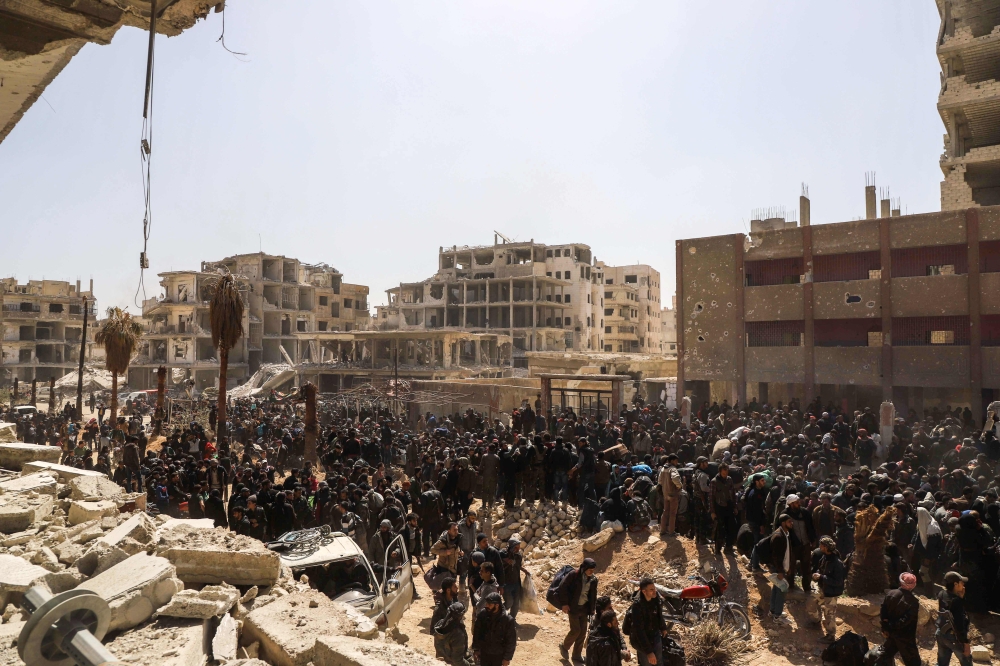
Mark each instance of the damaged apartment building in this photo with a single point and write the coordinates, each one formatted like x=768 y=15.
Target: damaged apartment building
x=544 y=297
x=42 y=323
x=289 y=306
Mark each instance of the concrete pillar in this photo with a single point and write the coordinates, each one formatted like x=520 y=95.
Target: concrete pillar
x=886 y=208
x=809 y=322
x=804 y=210
x=975 y=327
x=870 y=212
x=885 y=292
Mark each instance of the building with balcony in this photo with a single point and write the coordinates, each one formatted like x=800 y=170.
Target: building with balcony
x=544 y=297
x=968 y=49
x=290 y=308
x=633 y=320
x=901 y=308
x=42 y=327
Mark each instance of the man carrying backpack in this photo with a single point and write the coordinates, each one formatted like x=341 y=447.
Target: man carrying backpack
x=644 y=624
x=577 y=594
x=953 y=624
x=898 y=616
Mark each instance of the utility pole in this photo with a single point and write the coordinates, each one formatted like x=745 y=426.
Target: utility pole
x=79 y=372
x=395 y=372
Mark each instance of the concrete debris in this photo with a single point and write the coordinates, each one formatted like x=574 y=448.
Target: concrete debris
x=287 y=629
x=210 y=601
x=226 y=639
x=94 y=488
x=250 y=595
x=135 y=588
x=599 y=540
x=40 y=482
x=199 y=523
x=81 y=511
x=218 y=556
x=980 y=654
x=166 y=642
x=63 y=472
x=16 y=576
x=140 y=528
x=60 y=581
x=8 y=433
x=348 y=651
x=19 y=511
x=15 y=455
x=545 y=526
x=99 y=558
x=250 y=653
x=9 y=612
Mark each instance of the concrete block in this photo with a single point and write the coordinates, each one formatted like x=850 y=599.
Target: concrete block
x=135 y=588
x=101 y=557
x=168 y=642
x=68 y=552
x=349 y=651
x=94 y=488
x=210 y=601
x=40 y=482
x=287 y=628
x=8 y=433
x=980 y=654
x=599 y=540
x=64 y=473
x=18 y=511
x=81 y=511
x=60 y=581
x=16 y=574
x=218 y=556
x=15 y=455
x=226 y=639
x=138 y=527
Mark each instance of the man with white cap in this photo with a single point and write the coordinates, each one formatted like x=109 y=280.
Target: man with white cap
x=804 y=536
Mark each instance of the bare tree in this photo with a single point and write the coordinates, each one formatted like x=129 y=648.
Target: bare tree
x=226 y=315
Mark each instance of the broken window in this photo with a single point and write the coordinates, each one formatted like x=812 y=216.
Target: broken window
x=567 y=322
x=322 y=325
x=335 y=309
x=548 y=253
x=566 y=300
x=75 y=310
x=631 y=279
x=609 y=312
x=55 y=307
x=323 y=300
x=943 y=269
x=300 y=325
x=607 y=329
x=548 y=274
x=348 y=303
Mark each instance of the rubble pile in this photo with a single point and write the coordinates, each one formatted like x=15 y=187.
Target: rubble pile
x=179 y=591
x=544 y=528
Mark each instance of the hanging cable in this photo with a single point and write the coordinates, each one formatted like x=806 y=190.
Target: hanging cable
x=145 y=155
x=222 y=37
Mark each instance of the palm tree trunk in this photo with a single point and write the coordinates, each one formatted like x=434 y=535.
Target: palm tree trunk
x=220 y=426
x=114 y=400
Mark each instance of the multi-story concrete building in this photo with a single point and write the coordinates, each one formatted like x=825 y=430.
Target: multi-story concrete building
x=290 y=308
x=632 y=310
x=968 y=47
x=668 y=322
x=545 y=297
x=902 y=308
x=42 y=323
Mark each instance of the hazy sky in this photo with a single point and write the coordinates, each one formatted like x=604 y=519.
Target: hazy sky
x=368 y=134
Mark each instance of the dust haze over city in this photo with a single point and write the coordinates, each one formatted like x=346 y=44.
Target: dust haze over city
x=499 y=333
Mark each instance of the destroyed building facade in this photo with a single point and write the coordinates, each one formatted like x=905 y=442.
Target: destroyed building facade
x=968 y=48
x=901 y=308
x=288 y=306
x=42 y=323
x=545 y=297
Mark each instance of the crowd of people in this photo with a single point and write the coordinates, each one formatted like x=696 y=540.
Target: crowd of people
x=782 y=483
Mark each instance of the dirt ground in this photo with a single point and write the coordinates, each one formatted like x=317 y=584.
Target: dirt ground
x=630 y=555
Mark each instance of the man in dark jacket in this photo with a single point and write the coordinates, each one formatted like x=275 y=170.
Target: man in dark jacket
x=492 y=555
x=648 y=628
x=604 y=644
x=953 y=624
x=578 y=598
x=495 y=636
x=722 y=494
x=781 y=546
x=898 y=616
x=830 y=574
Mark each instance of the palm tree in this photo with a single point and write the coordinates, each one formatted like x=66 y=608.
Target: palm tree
x=120 y=335
x=226 y=315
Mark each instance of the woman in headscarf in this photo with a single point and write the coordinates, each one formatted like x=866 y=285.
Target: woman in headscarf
x=614 y=508
x=926 y=549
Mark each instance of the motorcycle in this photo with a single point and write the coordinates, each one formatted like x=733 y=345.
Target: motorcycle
x=705 y=601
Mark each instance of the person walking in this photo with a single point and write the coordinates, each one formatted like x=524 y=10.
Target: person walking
x=780 y=565
x=647 y=625
x=898 y=617
x=830 y=575
x=513 y=565
x=495 y=635
x=578 y=598
x=605 y=646
x=722 y=495
x=952 y=623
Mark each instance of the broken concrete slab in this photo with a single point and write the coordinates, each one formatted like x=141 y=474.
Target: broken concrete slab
x=599 y=540
x=60 y=581
x=980 y=654
x=81 y=511
x=166 y=642
x=16 y=574
x=226 y=639
x=8 y=433
x=101 y=557
x=139 y=527
x=199 y=523
x=218 y=556
x=210 y=601
x=349 y=651
x=16 y=455
x=94 y=488
x=63 y=472
x=18 y=511
x=68 y=552
x=40 y=482
x=135 y=588
x=287 y=628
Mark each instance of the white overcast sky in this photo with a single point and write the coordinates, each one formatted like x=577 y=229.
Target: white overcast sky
x=368 y=134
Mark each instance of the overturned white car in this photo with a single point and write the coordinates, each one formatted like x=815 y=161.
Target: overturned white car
x=337 y=567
